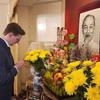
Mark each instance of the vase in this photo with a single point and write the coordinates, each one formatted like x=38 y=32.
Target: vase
x=32 y=71
x=37 y=80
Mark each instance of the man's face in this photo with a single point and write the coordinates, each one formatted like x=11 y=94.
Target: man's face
x=88 y=29
x=14 y=39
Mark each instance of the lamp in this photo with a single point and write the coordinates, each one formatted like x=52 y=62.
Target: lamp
x=37 y=45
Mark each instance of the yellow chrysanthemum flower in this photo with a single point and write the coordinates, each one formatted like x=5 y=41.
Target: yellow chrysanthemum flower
x=78 y=77
x=98 y=64
x=48 y=53
x=93 y=93
x=42 y=55
x=96 y=80
x=33 y=58
x=66 y=78
x=74 y=64
x=68 y=69
x=96 y=70
x=87 y=63
x=37 y=58
x=70 y=88
x=27 y=58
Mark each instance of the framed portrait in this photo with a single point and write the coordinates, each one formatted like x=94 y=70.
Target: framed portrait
x=89 y=26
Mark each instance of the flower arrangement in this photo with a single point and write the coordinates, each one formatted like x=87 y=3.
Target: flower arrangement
x=65 y=40
x=37 y=58
x=82 y=80
x=78 y=79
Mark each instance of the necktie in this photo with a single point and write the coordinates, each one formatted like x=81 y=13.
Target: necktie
x=9 y=49
x=10 y=55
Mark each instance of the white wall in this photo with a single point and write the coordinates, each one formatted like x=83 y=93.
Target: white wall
x=44 y=19
x=4 y=16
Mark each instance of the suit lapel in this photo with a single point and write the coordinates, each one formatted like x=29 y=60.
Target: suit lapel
x=7 y=49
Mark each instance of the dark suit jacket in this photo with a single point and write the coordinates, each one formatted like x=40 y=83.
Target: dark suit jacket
x=7 y=72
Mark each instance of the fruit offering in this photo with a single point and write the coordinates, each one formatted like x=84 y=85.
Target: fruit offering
x=53 y=79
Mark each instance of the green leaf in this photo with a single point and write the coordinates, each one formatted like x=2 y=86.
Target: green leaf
x=71 y=45
x=71 y=36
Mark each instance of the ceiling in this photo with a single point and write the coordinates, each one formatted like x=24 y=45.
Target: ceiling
x=33 y=2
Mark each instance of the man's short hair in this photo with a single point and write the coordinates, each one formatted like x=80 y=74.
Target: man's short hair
x=14 y=28
x=86 y=18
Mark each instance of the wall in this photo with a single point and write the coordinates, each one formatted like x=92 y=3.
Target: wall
x=27 y=17
x=23 y=21
x=44 y=19
x=71 y=15
x=4 y=16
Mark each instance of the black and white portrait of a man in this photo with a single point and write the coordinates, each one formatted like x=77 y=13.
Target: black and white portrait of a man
x=89 y=30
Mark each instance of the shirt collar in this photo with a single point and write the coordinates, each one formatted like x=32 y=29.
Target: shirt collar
x=5 y=41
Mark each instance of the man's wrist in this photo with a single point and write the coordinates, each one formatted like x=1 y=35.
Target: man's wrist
x=16 y=68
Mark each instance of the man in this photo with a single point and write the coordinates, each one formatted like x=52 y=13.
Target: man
x=8 y=70
x=88 y=28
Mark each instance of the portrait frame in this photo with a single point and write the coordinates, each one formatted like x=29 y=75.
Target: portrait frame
x=92 y=8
